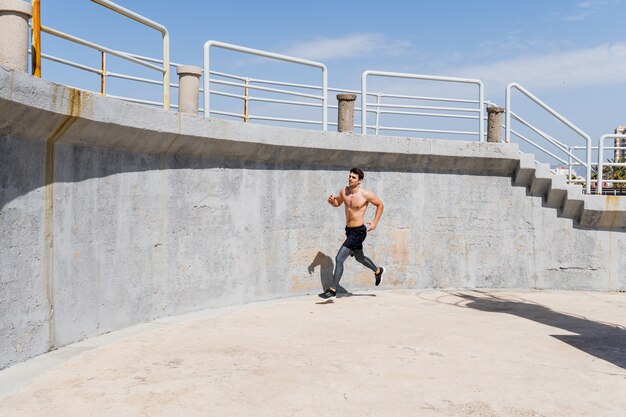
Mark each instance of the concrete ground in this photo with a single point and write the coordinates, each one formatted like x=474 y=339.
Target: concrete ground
x=384 y=353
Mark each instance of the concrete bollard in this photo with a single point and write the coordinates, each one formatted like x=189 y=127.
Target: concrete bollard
x=14 y=16
x=188 y=90
x=345 y=118
x=494 y=124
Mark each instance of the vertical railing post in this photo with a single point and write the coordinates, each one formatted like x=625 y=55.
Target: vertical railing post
x=35 y=47
x=166 y=70
x=481 y=112
x=324 y=98
x=364 y=102
x=103 y=74
x=507 y=119
x=600 y=167
x=569 y=164
x=245 y=100
x=377 y=127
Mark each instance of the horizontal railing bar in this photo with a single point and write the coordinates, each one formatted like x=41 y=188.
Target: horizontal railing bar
x=136 y=100
x=549 y=138
x=273 y=90
x=100 y=48
x=231 y=95
x=133 y=78
x=345 y=90
x=408 y=106
x=402 y=129
x=539 y=131
x=225 y=113
x=451 y=116
x=452 y=100
x=71 y=63
x=278 y=119
x=150 y=59
x=296 y=103
x=519 y=135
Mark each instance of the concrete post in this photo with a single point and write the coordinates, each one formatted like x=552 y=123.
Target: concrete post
x=14 y=16
x=188 y=90
x=345 y=118
x=620 y=154
x=494 y=124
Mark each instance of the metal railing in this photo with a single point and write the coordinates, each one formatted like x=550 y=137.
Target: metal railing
x=380 y=108
x=602 y=164
x=559 y=145
x=207 y=80
x=37 y=54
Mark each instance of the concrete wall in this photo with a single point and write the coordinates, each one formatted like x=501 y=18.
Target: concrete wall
x=113 y=214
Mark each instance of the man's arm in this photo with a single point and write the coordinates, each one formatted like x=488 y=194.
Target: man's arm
x=335 y=201
x=371 y=197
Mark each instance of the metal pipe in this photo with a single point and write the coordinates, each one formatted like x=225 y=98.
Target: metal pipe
x=71 y=63
x=101 y=48
x=166 y=42
x=36 y=39
x=554 y=113
x=103 y=76
x=217 y=44
x=601 y=160
x=364 y=93
x=245 y=102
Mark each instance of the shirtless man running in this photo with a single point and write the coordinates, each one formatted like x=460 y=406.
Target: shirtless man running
x=356 y=201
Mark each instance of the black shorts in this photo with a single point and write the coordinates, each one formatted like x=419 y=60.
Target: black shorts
x=355 y=237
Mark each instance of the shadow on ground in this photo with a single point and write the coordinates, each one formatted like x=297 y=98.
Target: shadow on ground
x=326 y=268
x=606 y=341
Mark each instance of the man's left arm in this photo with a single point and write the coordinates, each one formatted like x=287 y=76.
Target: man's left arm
x=371 y=197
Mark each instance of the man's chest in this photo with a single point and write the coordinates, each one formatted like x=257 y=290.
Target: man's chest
x=355 y=201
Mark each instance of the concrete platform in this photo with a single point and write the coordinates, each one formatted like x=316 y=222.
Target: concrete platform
x=384 y=353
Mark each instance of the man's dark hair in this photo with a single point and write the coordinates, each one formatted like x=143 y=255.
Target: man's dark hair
x=357 y=172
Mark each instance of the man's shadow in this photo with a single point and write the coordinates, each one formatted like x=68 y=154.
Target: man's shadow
x=606 y=341
x=327 y=267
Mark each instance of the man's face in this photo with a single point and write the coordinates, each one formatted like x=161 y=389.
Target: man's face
x=353 y=180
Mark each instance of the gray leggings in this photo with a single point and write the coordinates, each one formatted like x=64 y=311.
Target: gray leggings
x=342 y=255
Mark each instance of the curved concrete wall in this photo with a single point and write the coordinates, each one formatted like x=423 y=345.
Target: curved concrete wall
x=113 y=214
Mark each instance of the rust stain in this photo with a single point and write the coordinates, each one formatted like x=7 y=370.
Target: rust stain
x=611 y=202
x=299 y=285
x=400 y=246
x=73 y=110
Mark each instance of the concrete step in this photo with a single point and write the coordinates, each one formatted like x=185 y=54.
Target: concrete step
x=557 y=193
x=573 y=203
x=604 y=212
x=594 y=211
x=541 y=180
x=524 y=171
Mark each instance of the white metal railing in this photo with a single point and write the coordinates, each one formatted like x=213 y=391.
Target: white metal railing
x=602 y=164
x=561 y=146
x=207 y=79
x=403 y=109
x=166 y=42
x=164 y=68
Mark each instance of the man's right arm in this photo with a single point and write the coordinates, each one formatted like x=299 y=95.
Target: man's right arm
x=335 y=201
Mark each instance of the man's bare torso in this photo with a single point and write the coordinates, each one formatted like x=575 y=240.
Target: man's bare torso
x=355 y=205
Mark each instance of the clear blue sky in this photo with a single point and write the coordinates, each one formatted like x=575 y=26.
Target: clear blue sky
x=572 y=54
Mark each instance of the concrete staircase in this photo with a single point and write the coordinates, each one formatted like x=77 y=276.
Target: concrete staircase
x=592 y=211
